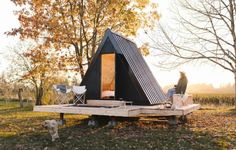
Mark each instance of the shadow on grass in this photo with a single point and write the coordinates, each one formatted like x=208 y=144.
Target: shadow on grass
x=126 y=135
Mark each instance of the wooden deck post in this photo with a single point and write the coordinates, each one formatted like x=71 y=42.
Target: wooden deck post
x=93 y=121
x=61 y=116
x=62 y=120
x=183 y=119
x=172 y=120
x=112 y=122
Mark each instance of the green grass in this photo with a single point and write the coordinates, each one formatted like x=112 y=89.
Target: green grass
x=208 y=128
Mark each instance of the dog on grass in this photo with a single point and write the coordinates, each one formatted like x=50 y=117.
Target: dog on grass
x=52 y=127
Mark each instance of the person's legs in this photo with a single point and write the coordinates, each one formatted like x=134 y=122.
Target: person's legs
x=170 y=93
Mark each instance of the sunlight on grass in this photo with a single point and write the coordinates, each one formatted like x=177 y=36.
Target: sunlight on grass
x=209 y=128
x=6 y=133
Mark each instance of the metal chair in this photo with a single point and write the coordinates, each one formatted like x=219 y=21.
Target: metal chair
x=79 y=94
x=63 y=94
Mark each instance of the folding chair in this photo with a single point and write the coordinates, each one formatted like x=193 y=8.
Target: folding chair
x=79 y=94
x=62 y=92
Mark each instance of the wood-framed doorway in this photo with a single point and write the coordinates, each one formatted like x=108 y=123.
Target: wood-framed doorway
x=108 y=76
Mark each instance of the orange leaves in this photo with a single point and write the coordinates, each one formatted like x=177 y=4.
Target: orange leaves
x=144 y=49
x=62 y=19
x=41 y=61
x=154 y=5
x=19 y=2
x=142 y=3
x=156 y=15
x=13 y=32
x=76 y=25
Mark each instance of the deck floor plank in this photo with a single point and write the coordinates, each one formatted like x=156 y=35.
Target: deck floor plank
x=122 y=111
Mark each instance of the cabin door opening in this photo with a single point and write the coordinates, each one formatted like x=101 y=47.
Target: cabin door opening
x=108 y=76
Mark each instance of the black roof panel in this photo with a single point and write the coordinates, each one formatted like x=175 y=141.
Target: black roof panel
x=143 y=74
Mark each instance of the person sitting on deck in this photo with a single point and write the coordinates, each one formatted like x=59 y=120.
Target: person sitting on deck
x=171 y=92
x=180 y=88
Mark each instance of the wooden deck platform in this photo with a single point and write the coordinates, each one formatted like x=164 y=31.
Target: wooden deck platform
x=119 y=111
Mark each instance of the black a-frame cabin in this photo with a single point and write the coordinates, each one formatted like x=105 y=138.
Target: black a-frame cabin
x=119 y=72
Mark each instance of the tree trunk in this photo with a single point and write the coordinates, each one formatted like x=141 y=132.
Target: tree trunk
x=39 y=96
x=20 y=97
x=81 y=70
x=94 y=43
x=79 y=57
x=235 y=90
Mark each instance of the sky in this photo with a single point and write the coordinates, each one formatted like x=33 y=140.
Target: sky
x=7 y=21
x=196 y=73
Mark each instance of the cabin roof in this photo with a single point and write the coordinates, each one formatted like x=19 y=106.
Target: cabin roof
x=140 y=70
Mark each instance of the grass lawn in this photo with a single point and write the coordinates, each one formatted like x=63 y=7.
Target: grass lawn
x=208 y=128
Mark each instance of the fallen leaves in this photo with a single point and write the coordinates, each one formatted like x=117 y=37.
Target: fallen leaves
x=206 y=129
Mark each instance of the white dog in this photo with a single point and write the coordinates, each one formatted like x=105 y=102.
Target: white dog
x=52 y=126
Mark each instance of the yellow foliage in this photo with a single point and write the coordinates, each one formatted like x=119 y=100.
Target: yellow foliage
x=64 y=22
x=144 y=49
x=79 y=25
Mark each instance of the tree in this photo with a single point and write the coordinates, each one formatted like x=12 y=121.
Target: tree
x=78 y=25
x=5 y=87
x=206 y=32
x=35 y=66
x=20 y=97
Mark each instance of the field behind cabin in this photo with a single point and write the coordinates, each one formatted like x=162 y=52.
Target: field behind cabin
x=214 y=99
x=212 y=127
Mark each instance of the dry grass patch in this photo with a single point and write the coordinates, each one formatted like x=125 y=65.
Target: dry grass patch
x=208 y=128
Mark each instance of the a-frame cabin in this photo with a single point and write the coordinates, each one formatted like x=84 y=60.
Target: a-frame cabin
x=118 y=74
x=118 y=71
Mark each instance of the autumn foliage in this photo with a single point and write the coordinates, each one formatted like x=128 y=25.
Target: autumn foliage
x=77 y=26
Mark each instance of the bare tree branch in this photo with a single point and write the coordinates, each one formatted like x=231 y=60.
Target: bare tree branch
x=206 y=32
